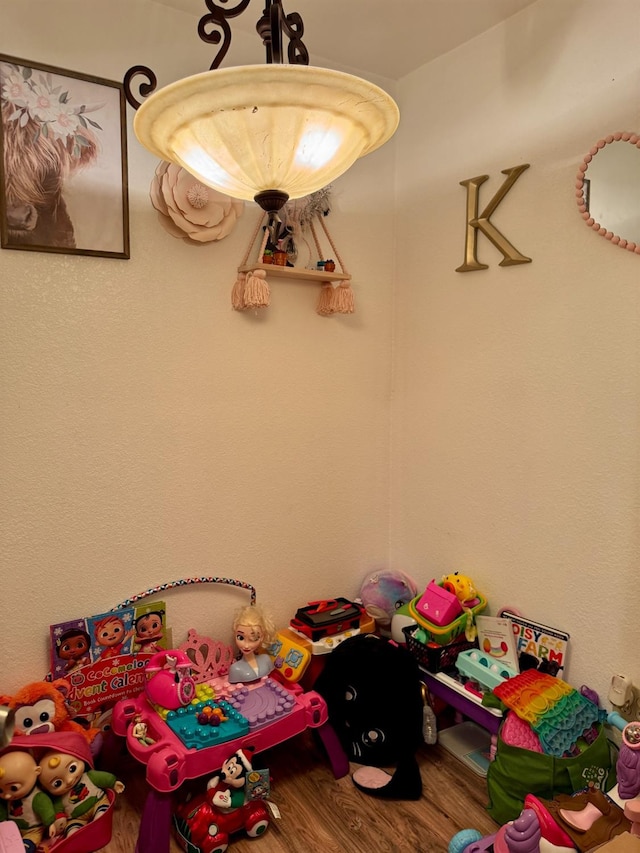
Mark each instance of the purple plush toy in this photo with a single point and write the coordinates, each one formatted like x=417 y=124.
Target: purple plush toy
x=384 y=591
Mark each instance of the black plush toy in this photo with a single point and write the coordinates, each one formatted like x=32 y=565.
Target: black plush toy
x=374 y=697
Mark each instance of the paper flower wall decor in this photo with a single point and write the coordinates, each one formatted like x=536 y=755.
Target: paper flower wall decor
x=189 y=209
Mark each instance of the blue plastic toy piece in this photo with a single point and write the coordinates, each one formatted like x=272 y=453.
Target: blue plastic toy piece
x=461 y=840
x=195 y=735
x=483 y=668
x=617 y=720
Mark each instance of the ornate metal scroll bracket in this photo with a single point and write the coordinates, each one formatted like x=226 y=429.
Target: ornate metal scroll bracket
x=214 y=29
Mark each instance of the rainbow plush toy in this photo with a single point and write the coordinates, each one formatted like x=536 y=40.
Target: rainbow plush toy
x=383 y=592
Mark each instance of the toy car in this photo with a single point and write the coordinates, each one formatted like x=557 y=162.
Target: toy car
x=203 y=828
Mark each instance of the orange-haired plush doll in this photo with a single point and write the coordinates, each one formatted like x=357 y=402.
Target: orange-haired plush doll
x=41 y=708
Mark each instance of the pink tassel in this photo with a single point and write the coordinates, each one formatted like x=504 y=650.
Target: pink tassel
x=343 y=299
x=325 y=301
x=256 y=290
x=237 y=294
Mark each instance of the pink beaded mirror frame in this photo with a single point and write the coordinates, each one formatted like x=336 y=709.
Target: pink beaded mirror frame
x=583 y=185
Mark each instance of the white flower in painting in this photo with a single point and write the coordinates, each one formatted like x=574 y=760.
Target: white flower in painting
x=14 y=88
x=64 y=122
x=42 y=103
x=189 y=209
x=49 y=106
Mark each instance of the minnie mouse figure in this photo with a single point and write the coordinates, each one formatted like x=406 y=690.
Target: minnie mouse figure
x=204 y=823
x=226 y=790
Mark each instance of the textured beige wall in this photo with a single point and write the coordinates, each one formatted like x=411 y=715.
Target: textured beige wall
x=516 y=389
x=149 y=432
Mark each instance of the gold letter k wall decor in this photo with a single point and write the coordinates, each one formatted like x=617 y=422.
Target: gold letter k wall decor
x=482 y=222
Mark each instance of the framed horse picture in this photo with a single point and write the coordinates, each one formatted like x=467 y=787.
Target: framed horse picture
x=63 y=170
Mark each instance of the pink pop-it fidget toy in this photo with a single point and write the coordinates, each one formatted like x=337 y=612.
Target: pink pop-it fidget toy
x=517 y=732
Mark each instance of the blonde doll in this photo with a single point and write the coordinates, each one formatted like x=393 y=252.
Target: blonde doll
x=252 y=629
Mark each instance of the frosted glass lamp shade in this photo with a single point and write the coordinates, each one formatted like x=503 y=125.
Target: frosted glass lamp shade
x=255 y=128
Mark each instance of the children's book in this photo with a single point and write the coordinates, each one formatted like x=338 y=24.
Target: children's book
x=538 y=645
x=258 y=785
x=496 y=638
x=104 y=657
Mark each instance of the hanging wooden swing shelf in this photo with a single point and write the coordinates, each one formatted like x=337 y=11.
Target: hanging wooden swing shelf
x=251 y=289
x=296 y=272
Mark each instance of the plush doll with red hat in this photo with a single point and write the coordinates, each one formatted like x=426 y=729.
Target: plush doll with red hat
x=227 y=789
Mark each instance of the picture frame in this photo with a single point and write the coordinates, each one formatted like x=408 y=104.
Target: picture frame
x=63 y=163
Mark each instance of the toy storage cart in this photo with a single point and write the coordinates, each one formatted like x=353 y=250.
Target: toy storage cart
x=169 y=762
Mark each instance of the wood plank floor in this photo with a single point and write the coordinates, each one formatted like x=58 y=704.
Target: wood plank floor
x=320 y=814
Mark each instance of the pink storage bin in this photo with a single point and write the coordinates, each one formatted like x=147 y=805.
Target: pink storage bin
x=438 y=605
x=97 y=833
x=94 y=836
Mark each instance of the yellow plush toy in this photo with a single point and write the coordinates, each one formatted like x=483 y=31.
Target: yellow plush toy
x=461 y=586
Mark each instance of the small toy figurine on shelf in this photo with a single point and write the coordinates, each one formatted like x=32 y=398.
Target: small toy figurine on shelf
x=252 y=628
x=204 y=823
x=24 y=802
x=79 y=792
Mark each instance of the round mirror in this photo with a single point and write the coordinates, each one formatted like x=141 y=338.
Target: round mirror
x=608 y=189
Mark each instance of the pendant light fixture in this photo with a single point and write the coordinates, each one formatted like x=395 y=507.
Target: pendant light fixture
x=267 y=132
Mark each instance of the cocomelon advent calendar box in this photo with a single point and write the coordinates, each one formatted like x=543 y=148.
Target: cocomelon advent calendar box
x=103 y=657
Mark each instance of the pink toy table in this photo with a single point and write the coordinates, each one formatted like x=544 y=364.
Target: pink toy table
x=169 y=762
